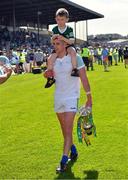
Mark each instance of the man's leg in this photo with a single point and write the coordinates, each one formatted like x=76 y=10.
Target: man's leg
x=66 y=120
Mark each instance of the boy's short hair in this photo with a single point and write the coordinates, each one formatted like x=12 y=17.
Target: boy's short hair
x=62 y=12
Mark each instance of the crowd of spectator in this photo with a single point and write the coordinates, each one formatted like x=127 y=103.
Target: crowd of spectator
x=103 y=55
x=21 y=37
x=24 y=52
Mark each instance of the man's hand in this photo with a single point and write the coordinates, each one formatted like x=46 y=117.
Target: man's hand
x=55 y=36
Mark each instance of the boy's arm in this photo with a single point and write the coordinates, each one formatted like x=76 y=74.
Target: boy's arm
x=62 y=38
x=68 y=41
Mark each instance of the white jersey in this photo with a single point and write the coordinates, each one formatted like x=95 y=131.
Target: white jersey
x=67 y=86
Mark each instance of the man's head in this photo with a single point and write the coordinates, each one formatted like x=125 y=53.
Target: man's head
x=59 y=46
x=62 y=17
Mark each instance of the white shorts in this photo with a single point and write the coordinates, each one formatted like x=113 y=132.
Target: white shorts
x=65 y=104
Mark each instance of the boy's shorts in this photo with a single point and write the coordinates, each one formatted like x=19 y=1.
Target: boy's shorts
x=65 y=104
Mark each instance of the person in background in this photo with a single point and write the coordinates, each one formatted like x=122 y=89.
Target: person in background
x=115 y=55
x=120 y=54
x=99 y=57
x=105 y=58
x=126 y=56
x=85 y=56
x=91 y=57
x=38 y=58
x=95 y=54
x=110 y=50
x=30 y=59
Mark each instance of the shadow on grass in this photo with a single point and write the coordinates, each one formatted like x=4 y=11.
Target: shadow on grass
x=68 y=174
x=92 y=174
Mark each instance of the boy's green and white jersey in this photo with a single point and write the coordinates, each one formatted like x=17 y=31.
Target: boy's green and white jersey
x=67 y=32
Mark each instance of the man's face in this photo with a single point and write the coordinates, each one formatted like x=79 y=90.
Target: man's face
x=61 y=20
x=59 y=46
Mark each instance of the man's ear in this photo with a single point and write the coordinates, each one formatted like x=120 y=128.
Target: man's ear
x=65 y=44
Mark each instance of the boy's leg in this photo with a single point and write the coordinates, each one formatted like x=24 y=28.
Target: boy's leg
x=72 y=53
x=50 y=79
x=51 y=60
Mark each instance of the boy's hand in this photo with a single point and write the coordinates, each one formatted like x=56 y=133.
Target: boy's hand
x=55 y=36
x=60 y=37
x=48 y=73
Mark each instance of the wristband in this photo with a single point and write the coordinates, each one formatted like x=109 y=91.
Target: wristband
x=89 y=92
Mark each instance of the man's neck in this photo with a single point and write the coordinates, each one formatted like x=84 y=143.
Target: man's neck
x=62 y=54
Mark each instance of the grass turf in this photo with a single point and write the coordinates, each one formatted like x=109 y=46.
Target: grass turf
x=30 y=136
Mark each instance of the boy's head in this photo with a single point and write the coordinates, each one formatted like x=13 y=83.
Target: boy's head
x=62 y=16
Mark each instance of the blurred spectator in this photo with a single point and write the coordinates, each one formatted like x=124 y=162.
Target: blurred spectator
x=126 y=56
x=115 y=56
x=99 y=57
x=105 y=58
x=38 y=58
x=91 y=57
x=110 y=56
x=95 y=54
x=30 y=59
x=14 y=60
x=85 y=56
x=120 y=54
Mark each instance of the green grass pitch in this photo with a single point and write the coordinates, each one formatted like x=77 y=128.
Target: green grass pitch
x=30 y=136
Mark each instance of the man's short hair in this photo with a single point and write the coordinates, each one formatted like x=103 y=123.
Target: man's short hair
x=62 y=12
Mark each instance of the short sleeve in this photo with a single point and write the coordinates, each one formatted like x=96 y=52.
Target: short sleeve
x=55 y=30
x=71 y=34
x=80 y=63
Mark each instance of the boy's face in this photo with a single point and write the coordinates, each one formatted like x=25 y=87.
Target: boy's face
x=61 y=20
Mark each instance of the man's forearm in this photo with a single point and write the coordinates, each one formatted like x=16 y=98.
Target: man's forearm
x=86 y=86
x=85 y=81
